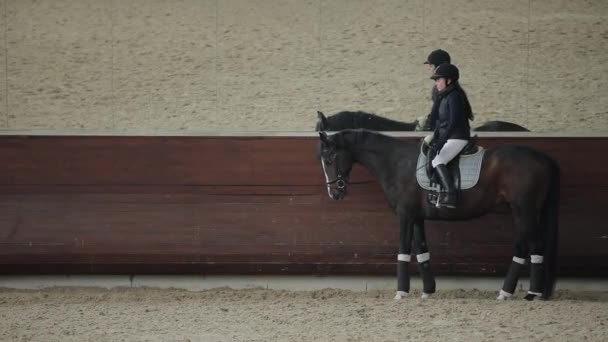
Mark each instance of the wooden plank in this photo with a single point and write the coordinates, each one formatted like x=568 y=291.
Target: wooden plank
x=257 y=230
x=157 y=161
x=249 y=205
x=220 y=161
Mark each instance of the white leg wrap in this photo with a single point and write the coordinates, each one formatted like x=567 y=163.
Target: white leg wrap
x=535 y=293
x=404 y=257
x=401 y=294
x=423 y=257
x=536 y=259
x=503 y=295
x=520 y=261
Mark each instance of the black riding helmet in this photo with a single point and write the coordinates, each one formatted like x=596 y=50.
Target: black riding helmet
x=438 y=57
x=446 y=71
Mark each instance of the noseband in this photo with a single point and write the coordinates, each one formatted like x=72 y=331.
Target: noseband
x=340 y=181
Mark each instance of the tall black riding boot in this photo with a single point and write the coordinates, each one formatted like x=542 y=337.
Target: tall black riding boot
x=447 y=199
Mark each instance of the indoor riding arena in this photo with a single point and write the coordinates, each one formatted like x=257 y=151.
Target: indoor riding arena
x=162 y=178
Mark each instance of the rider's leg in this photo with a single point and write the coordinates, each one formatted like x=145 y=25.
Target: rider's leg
x=448 y=197
x=449 y=150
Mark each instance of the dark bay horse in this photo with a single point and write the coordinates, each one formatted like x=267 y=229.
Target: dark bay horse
x=500 y=126
x=359 y=119
x=354 y=120
x=526 y=180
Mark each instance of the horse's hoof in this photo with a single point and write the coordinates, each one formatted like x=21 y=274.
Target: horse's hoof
x=425 y=295
x=503 y=295
x=531 y=296
x=400 y=295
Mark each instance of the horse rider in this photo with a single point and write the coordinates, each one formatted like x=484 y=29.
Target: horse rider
x=452 y=131
x=434 y=59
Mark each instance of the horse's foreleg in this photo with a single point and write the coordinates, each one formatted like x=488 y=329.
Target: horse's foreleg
x=520 y=251
x=404 y=256
x=423 y=257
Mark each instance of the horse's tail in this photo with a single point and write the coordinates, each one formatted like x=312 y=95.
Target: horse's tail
x=549 y=220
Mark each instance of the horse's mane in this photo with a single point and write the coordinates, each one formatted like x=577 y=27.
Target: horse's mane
x=361 y=115
x=358 y=113
x=349 y=138
x=361 y=119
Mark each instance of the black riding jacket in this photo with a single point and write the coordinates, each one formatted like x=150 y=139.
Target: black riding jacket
x=452 y=122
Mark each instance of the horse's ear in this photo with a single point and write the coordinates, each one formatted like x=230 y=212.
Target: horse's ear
x=322 y=118
x=323 y=137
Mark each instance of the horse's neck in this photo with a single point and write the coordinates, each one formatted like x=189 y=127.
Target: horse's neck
x=394 y=124
x=379 y=158
x=392 y=163
x=409 y=126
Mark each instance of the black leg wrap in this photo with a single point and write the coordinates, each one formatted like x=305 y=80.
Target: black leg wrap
x=428 y=281
x=512 y=277
x=403 y=276
x=536 y=277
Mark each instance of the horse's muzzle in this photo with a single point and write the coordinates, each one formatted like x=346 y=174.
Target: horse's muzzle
x=338 y=193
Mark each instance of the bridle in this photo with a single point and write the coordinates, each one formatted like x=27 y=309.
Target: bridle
x=341 y=181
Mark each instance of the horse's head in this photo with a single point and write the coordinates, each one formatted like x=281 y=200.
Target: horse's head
x=337 y=163
x=322 y=124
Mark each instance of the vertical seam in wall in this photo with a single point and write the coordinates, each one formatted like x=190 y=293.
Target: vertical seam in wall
x=319 y=60
x=112 y=94
x=215 y=60
x=6 y=63
x=423 y=2
x=527 y=76
x=422 y=39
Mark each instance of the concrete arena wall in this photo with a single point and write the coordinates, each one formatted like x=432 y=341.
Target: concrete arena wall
x=268 y=65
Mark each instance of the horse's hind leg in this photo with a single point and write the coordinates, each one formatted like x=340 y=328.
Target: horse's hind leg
x=520 y=251
x=529 y=218
x=537 y=269
x=529 y=241
x=404 y=256
x=423 y=257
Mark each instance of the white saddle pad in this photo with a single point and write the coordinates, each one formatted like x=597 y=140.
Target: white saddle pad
x=470 y=166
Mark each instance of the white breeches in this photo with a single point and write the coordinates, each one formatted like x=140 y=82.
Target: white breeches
x=451 y=148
